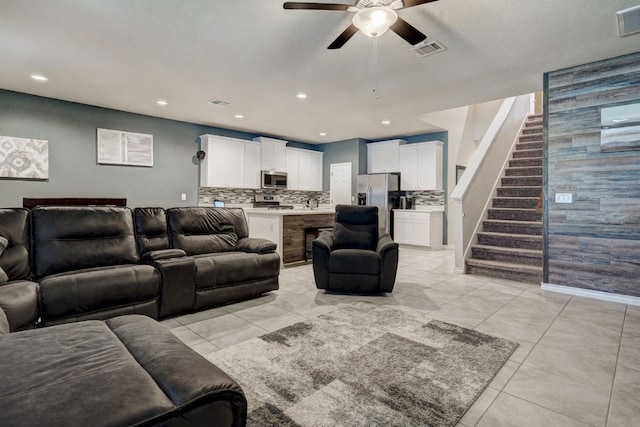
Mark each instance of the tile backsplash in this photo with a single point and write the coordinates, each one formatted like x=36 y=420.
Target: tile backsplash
x=427 y=198
x=239 y=196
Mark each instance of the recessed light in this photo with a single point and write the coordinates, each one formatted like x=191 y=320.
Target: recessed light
x=386 y=122
x=301 y=95
x=322 y=134
x=39 y=77
x=162 y=102
x=239 y=116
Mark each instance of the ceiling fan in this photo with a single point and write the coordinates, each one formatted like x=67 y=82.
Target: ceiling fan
x=372 y=17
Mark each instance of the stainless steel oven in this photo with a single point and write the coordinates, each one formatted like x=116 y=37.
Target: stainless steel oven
x=274 y=179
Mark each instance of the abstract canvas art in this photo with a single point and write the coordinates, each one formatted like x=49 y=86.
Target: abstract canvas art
x=117 y=147
x=24 y=158
x=620 y=128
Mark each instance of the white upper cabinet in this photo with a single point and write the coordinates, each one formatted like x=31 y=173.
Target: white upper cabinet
x=273 y=153
x=420 y=166
x=382 y=157
x=229 y=162
x=304 y=169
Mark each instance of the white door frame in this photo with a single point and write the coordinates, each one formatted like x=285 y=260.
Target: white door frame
x=332 y=183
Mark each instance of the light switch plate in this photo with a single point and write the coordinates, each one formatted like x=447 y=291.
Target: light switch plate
x=564 y=198
x=183 y=196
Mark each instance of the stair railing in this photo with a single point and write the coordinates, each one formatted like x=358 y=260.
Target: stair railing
x=471 y=198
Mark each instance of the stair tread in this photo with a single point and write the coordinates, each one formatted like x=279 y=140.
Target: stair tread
x=510 y=221
x=499 y=265
x=515 y=236
x=509 y=250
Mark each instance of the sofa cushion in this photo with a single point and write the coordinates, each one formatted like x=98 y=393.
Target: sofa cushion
x=4 y=323
x=74 y=294
x=206 y=230
x=14 y=260
x=151 y=229
x=69 y=238
x=19 y=301
x=354 y=261
x=230 y=268
x=3 y=245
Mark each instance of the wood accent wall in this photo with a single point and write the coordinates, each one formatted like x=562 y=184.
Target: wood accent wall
x=293 y=233
x=593 y=243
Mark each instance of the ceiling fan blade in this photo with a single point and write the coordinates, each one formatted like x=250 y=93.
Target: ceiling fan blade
x=407 y=31
x=411 y=3
x=316 y=6
x=344 y=37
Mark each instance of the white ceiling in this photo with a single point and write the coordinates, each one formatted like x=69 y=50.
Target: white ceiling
x=126 y=54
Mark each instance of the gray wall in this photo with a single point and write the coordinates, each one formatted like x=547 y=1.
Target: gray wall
x=593 y=243
x=70 y=129
x=350 y=150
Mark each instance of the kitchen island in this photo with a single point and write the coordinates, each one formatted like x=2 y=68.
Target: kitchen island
x=287 y=227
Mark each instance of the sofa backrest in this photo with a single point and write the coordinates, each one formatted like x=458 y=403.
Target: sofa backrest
x=151 y=229
x=204 y=230
x=68 y=238
x=14 y=259
x=356 y=227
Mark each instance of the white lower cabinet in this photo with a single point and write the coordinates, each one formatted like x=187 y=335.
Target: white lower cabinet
x=420 y=228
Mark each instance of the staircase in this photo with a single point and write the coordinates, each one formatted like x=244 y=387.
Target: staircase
x=510 y=243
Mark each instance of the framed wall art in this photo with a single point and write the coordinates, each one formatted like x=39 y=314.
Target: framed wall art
x=620 y=128
x=24 y=158
x=116 y=147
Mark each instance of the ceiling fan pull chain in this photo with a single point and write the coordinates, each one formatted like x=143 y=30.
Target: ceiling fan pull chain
x=375 y=68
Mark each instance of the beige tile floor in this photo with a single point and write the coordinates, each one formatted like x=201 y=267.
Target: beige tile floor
x=578 y=363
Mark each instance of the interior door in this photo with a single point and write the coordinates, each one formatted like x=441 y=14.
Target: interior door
x=340 y=184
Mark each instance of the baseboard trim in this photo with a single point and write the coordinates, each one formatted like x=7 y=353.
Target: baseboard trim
x=588 y=293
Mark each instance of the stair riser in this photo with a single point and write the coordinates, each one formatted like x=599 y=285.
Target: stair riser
x=528 y=162
x=535 y=171
x=533 y=137
x=515 y=215
x=509 y=258
x=510 y=242
x=519 y=192
x=532 y=130
x=516 y=202
x=530 y=145
x=527 y=154
x=516 y=181
x=502 y=274
x=534 y=229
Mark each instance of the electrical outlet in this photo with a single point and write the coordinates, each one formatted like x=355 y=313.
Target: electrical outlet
x=183 y=196
x=564 y=198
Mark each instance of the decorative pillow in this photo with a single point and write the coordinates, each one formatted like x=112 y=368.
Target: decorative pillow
x=3 y=244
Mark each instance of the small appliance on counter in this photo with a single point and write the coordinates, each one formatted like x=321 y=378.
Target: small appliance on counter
x=406 y=202
x=218 y=203
x=269 y=201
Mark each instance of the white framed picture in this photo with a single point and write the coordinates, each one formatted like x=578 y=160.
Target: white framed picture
x=620 y=128
x=24 y=158
x=116 y=147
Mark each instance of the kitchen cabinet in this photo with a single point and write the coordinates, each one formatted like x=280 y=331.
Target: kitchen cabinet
x=382 y=157
x=304 y=169
x=273 y=157
x=229 y=162
x=420 y=228
x=420 y=166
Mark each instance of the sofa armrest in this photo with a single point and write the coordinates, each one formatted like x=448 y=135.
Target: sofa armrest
x=188 y=379
x=152 y=256
x=19 y=301
x=255 y=245
x=388 y=251
x=320 y=253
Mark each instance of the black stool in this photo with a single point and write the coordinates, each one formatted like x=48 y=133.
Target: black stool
x=315 y=232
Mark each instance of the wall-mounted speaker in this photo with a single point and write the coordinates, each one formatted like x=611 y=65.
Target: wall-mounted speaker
x=629 y=21
x=201 y=155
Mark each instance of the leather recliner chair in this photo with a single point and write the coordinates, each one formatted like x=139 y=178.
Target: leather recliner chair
x=354 y=258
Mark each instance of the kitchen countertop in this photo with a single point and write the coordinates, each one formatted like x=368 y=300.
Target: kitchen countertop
x=295 y=211
x=424 y=208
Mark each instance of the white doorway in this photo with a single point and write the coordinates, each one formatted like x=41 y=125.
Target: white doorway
x=340 y=184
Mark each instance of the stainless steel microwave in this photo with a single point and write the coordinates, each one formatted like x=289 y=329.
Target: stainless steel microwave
x=274 y=179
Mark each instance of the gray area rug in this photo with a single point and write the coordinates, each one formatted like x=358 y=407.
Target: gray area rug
x=364 y=365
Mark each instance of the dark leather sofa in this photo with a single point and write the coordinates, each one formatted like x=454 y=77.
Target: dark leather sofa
x=125 y=371
x=69 y=263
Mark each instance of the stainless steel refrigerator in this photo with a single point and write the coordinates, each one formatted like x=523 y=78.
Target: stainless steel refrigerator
x=379 y=189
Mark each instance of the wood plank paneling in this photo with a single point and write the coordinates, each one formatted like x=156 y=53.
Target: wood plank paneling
x=293 y=226
x=593 y=243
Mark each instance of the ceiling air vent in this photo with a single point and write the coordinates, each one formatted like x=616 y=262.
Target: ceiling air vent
x=629 y=21
x=219 y=103
x=427 y=48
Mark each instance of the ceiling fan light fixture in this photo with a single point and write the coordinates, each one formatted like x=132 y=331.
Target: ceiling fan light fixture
x=374 y=21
